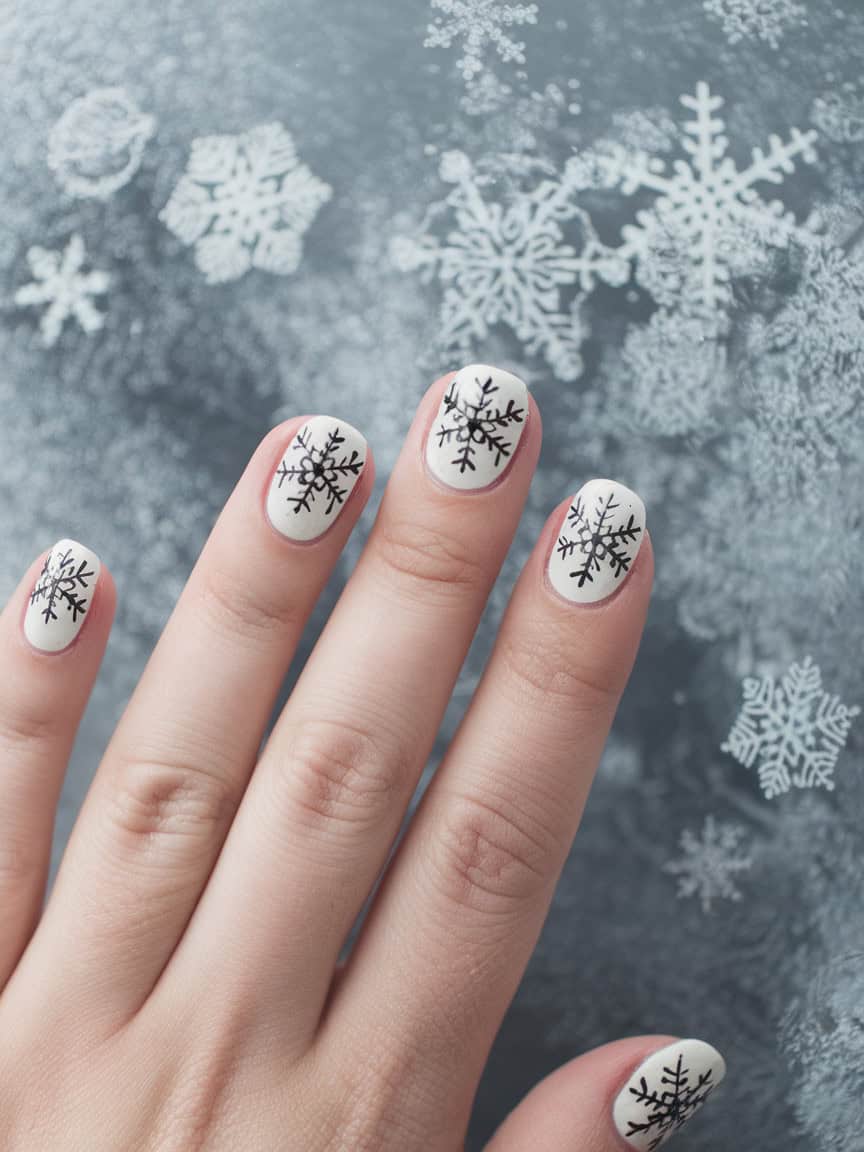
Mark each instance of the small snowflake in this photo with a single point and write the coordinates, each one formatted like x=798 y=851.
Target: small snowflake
x=472 y=426
x=480 y=25
x=793 y=731
x=62 y=584
x=597 y=541
x=96 y=146
x=317 y=471
x=709 y=863
x=708 y=221
x=669 y=1104
x=245 y=202
x=765 y=20
x=509 y=263
x=67 y=291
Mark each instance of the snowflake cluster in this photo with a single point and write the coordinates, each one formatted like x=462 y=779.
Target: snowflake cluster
x=480 y=26
x=710 y=861
x=765 y=20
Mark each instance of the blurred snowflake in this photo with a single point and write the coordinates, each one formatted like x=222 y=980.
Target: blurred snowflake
x=793 y=731
x=245 y=202
x=96 y=146
x=509 y=263
x=61 y=283
x=765 y=20
x=710 y=862
x=480 y=25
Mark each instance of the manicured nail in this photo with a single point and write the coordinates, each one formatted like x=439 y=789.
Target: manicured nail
x=61 y=596
x=316 y=475
x=665 y=1091
x=477 y=426
x=598 y=542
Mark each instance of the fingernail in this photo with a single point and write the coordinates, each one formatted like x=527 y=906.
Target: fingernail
x=61 y=596
x=477 y=427
x=665 y=1091
x=598 y=542
x=317 y=473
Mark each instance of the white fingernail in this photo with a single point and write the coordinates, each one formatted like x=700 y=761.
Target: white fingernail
x=598 y=541
x=477 y=426
x=317 y=474
x=61 y=596
x=665 y=1091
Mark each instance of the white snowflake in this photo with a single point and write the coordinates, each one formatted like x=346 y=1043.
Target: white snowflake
x=245 y=202
x=710 y=861
x=708 y=222
x=765 y=20
x=96 y=146
x=793 y=731
x=480 y=25
x=61 y=284
x=509 y=263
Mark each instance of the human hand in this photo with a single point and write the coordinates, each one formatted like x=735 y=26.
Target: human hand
x=181 y=991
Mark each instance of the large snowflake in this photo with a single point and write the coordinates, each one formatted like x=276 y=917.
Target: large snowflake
x=61 y=283
x=598 y=539
x=764 y=20
x=245 y=202
x=669 y=1104
x=793 y=731
x=62 y=584
x=316 y=471
x=708 y=221
x=509 y=263
x=480 y=425
x=710 y=861
x=479 y=24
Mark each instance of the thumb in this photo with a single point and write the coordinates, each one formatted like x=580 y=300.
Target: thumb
x=631 y=1094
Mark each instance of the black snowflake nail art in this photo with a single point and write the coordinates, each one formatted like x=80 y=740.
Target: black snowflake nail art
x=315 y=477
x=477 y=427
x=666 y=1091
x=598 y=541
x=61 y=596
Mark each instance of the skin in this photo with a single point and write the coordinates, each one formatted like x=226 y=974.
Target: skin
x=181 y=989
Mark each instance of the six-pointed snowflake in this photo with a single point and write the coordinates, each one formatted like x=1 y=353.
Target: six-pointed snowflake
x=478 y=425
x=708 y=221
x=245 y=202
x=793 y=731
x=62 y=584
x=316 y=471
x=67 y=291
x=764 y=20
x=596 y=540
x=510 y=263
x=710 y=861
x=669 y=1104
x=479 y=24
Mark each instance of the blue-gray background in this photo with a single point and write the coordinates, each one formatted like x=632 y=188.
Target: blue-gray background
x=738 y=416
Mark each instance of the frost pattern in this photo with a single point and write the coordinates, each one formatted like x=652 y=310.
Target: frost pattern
x=62 y=584
x=669 y=1104
x=793 y=731
x=597 y=541
x=509 y=263
x=475 y=426
x=764 y=20
x=316 y=471
x=96 y=146
x=710 y=861
x=245 y=202
x=64 y=288
x=480 y=25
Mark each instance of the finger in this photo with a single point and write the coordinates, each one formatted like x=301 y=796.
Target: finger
x=462 y=906
x=336 y=777
x=634 y=1093
x=52 y=636
x=163 y=799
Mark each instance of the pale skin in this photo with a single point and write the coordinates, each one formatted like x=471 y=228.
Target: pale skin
x=180 y=991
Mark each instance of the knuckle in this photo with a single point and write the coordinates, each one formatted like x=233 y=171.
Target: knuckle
x=547 y=670
x=246 y=611
x=337 y=774
x=430 y=557
x=491 y=854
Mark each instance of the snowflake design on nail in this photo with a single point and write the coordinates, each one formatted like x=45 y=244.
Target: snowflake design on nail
x=478 y=424
x=68 y=291
x=669 y=1104
x=62 y=583
x=245 y=202
x=710 y=861
x=793 y=731
x=480 y=25
x=316 y=472
x=764 y=20
x=597 y=540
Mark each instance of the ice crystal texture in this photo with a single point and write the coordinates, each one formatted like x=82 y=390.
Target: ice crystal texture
x=96 y=146
x=479 y=25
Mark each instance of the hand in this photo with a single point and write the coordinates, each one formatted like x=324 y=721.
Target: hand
x=181 y=991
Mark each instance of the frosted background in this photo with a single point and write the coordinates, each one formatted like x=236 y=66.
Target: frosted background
x=569 y=190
